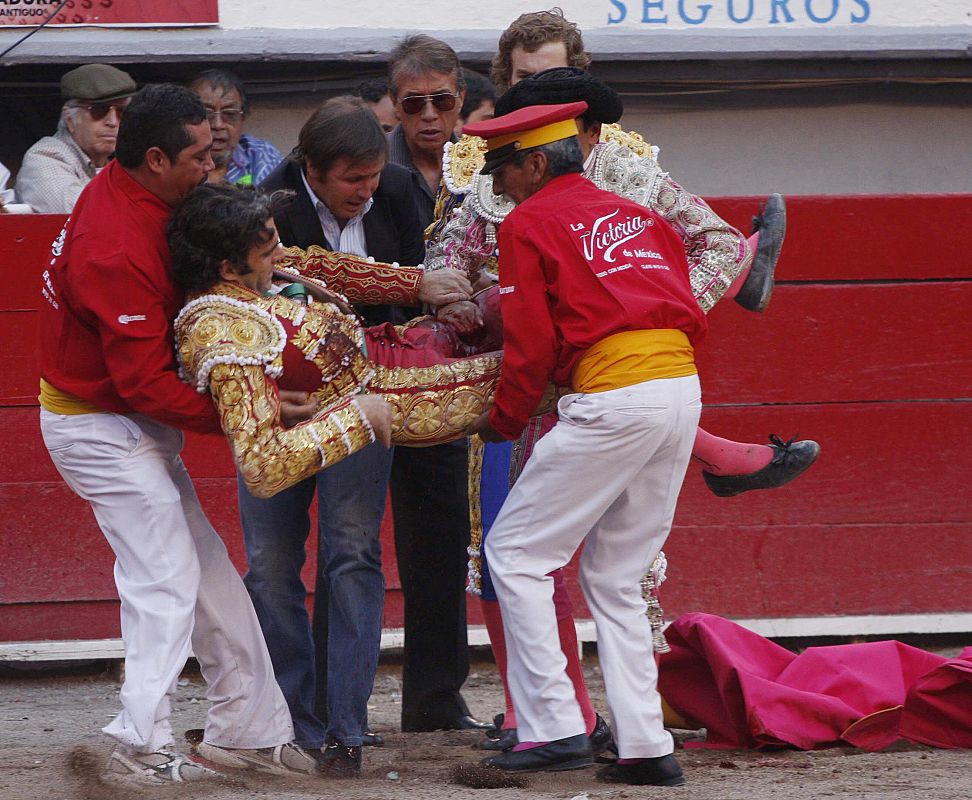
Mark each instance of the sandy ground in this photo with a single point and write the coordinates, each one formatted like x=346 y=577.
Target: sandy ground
x=52 y=750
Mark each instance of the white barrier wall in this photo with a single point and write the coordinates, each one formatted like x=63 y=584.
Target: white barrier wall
x=653 y=15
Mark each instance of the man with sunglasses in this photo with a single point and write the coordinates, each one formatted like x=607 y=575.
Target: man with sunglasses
x=56 y=168
x=430 y=498
x=427 y=87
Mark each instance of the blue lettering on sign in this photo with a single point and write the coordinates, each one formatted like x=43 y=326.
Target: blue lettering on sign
x=739 y=12
x=777 y=4
x=703 y=8
x=731 y=11
x=834 y=8
x=648 y=6
x=865 y=7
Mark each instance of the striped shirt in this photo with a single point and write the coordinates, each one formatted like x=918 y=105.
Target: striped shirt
x=252 y=160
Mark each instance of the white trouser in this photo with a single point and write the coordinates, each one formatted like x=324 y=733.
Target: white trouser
x=177 y=585
x=608 y=475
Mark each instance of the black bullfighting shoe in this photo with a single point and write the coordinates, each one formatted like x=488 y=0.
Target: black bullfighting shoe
x=494 y=730
x=790 y=460
x=601 y=738
x=504 y=740
x=662 y=771
x=756 y=292
x=573 y=752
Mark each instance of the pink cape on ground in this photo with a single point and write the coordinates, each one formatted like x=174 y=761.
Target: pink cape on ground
x=751 y=693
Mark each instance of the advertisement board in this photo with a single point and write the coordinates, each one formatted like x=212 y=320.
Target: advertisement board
x=127 y=13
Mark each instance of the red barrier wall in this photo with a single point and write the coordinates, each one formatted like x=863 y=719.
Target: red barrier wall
x=864 y=348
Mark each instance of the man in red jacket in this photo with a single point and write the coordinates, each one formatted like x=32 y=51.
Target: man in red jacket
x=111 y=403
x=595 y=296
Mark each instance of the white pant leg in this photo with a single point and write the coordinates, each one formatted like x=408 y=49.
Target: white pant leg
x=123 y=472
x=576 y=473
x=129 y=470
x=617 y=552
x=247 y=707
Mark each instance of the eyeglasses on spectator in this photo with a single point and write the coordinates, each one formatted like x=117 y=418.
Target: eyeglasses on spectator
x=442 y=101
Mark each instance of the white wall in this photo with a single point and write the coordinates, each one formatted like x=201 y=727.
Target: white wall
x=848 y=149
x=653 y=15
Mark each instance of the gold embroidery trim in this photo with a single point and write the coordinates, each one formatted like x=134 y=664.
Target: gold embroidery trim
x=361 y=280
x=271 y=458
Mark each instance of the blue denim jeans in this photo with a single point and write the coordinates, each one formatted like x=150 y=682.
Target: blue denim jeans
x=350 y=592
x=494 y=486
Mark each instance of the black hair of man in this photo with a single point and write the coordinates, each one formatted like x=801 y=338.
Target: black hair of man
x=342 y=127
x=372 y=90
x=225 y=80
x=564 y=85
x=157 y=116
x=216 y=223
x=420 y=54
x=479 y=88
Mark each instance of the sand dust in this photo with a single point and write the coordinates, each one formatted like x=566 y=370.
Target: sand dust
x=52 y=749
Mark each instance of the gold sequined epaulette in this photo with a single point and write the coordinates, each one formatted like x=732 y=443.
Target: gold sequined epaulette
x=633 y=141
x=460 y=161
x=221 y=329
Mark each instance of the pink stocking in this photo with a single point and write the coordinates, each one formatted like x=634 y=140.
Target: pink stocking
x=725 y=457
x=497 y=640
x=568 y=644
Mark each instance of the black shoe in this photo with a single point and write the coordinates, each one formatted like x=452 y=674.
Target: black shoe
x=339 y=761
x=507 y=738
x=790 y=460
x=494 y=730
x=662 y=771
x=756 y=292
x=573 y=752
x=601 y=738
x=372 y=740
x=463 y=723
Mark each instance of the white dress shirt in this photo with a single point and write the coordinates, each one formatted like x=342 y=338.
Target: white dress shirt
x=349 y=239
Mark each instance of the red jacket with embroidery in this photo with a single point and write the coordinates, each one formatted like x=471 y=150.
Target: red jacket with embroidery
x=578 y=264
x=105 y=325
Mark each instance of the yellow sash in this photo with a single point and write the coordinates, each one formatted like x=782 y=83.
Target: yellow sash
x=58 y=402
x=633 y=357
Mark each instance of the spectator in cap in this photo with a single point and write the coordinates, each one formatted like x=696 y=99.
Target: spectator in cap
x=57 y=168
x=239 y=158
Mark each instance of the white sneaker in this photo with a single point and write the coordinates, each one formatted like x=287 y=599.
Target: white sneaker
x=283 y=759
x=160 y=767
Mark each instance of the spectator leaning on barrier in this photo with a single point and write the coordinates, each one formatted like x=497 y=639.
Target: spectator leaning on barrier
x=56 y=168
x=239 y=157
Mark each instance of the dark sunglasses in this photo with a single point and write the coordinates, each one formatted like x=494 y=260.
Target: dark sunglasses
x=415 y=104
x=99 y=111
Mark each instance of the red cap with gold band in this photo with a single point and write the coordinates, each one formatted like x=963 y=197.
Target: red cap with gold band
x=524 y=128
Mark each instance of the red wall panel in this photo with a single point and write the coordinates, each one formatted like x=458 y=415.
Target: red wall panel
x=867 y=237
x=864 y=348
